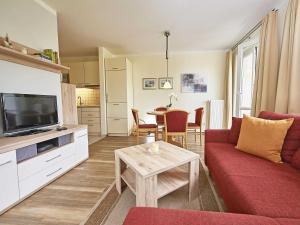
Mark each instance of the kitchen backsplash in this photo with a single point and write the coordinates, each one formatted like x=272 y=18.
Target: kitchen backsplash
x=89 y=96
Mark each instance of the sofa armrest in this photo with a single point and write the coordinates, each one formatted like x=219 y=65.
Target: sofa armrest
x=217 y=136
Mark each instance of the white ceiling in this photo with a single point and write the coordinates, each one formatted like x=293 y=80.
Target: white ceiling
x=136 y=26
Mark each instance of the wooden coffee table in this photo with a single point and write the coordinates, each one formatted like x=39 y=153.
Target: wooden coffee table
x=152 y=176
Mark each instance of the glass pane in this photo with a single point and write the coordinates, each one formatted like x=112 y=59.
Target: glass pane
x=247 y=77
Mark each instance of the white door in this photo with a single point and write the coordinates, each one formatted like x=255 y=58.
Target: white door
x=246 y=71
x=82 y=147
x=76 y=73
x=9 y=186
x=91 y=72
x=116 y=86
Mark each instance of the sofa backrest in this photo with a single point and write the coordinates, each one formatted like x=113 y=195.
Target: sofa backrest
x=292 y=139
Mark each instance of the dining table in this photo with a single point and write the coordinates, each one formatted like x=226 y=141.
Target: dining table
x=156 y=113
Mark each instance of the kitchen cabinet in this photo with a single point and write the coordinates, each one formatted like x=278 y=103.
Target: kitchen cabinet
x=91 y=117
x=9 y=193
x=76 y=74
x=91 y=72
x=119 y=96
x=84 y=73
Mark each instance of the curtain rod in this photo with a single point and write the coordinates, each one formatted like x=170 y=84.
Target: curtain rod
x=249 y=33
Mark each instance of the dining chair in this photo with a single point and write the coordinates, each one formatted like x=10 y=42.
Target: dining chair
x=160 y=119
x=197 y=124
x=176 y=125
x=143 y=128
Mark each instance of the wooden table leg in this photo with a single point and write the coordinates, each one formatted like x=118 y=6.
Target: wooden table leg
x=120 y=166
x=146 y=188
x=194 y=179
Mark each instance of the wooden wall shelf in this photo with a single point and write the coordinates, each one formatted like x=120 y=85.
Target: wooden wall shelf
x=14 y=56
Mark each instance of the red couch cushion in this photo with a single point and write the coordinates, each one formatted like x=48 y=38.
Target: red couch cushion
x=296 y=159
x=235 y=130
x=147 y=126
x=152 y=216
x=252 y=185
x=292 y=139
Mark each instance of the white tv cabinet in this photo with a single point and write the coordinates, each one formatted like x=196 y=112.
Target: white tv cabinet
x=20 y=180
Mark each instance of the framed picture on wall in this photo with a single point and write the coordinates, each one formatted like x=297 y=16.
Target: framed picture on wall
x=193 y=83
x=149 y=83
x=162 y=81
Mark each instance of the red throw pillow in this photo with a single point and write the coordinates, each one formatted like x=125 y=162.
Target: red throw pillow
x=235 y=130
x=296 y=159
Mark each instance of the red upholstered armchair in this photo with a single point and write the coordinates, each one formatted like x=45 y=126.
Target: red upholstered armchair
x=143 y=128
x=176 y=125
x=197 y=124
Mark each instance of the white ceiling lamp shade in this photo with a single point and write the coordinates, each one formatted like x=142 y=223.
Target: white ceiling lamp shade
x=167 y=84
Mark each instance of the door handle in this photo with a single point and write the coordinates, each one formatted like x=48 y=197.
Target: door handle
x=3 y=164
x=50 y=174
x=49 y=160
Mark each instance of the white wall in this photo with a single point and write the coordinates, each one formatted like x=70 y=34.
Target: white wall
x=15 y=78
x=29 y=22
x=103 y=53
x=209 y=64
x=34 y=24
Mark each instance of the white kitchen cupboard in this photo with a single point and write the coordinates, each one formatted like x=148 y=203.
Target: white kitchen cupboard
x=76 y=74
x=9 y=193
x=91 y=73
x=84 y=73
x=91 y=116
x=119 y=96
x=81 y=149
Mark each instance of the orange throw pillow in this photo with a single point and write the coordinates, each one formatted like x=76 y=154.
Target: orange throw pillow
x=263 y=138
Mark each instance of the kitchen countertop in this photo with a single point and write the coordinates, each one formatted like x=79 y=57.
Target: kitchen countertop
x=88 y=106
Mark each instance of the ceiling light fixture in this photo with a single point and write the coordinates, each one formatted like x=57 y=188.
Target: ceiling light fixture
x=167 y=84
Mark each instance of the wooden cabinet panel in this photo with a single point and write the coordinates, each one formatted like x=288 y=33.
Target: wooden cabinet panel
x=115 y=64
x=91 y=73
x=116 y=86
x=68 y=93
x=76 y=74
x=9 y=193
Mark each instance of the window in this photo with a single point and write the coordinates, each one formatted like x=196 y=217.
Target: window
x=247 y=55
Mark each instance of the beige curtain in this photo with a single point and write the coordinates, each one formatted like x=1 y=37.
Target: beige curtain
x=230 y=88
x=265 y=86
x=288 y=93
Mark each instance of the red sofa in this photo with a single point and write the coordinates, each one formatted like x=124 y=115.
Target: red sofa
x=154 y=216
x=251 y=185
x=268 y=191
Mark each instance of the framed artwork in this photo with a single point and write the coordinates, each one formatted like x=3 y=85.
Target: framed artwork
x=162 y=81
x=193 y=83
x=149 y=83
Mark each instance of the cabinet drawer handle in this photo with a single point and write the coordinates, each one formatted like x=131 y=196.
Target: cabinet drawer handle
x=117 y=119
x=49 y=160
x=90 y=115
x=90 y=120
x=84 y=135
x=116 y=104
x=115 y=68
x=50 y=174
x=3 y=164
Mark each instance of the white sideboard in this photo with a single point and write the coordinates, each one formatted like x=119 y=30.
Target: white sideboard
x=19 y=180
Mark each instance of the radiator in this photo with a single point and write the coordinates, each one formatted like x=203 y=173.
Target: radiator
x=215 y=114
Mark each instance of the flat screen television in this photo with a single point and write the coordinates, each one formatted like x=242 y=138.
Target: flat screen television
x=23 y=112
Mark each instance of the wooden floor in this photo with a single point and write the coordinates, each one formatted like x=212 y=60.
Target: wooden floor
x=69 y=199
